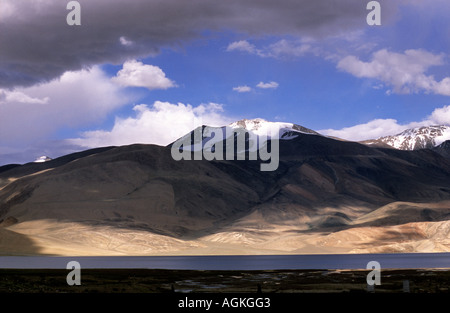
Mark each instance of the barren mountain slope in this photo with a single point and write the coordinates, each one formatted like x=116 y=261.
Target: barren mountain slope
x=137 y=200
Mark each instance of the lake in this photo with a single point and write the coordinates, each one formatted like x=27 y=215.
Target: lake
x=237 y=262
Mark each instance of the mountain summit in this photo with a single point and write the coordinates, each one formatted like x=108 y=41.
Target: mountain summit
x=425 y=137
x=260 y=126
x=42 y=159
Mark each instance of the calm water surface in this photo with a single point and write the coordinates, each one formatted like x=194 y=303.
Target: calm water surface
x=237 y=262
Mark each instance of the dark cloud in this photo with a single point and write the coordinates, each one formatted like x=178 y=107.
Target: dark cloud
x=37 y=45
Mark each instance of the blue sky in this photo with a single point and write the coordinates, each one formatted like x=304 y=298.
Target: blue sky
x=150 y=78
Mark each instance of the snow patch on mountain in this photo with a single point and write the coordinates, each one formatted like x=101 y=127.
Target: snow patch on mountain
x=426 y=137
x=281 y=130
x=206 y=137
x=42 y=159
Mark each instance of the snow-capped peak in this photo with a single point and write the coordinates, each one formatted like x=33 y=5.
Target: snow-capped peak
x=418 y=138
x=42 y=159
x=260 y=126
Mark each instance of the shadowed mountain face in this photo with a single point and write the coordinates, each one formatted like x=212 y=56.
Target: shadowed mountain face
x=443 y=149
x=137 y=200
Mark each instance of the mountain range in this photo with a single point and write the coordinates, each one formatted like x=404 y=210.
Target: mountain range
x=326 y=196
x=425 y=137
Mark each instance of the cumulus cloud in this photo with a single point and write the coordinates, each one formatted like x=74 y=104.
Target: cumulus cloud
x=243 y=45
x=114 y=31
x=281 y=48
x=124 y=41
x=372 y=130
x=242 y=88
x=404 y=72
x=262 y=85
x=270 y=85
x=161 y=124
x=384 y=127
x=137 y=74
x=77 y=99
x=288 y=48
x=8 y=96
x=440 y=116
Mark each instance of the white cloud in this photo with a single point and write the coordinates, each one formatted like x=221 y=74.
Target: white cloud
x=242 y=89
x=125 y=42
x=278 y=49
x=288 y=48
x=404 y=72
x=8 y=9
x=137 y=74
x=243 y=45
x=442 y=87
x=371 y=130
x=160 y=124
x=76 y=99
x=271 y=85
x=440 y=116
x=262 y=85
x=7 y=96
x=383 y=127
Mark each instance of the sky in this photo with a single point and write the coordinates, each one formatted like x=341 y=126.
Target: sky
x=141 y=71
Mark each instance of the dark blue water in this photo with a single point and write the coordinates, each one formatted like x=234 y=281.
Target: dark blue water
x=235 y=262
